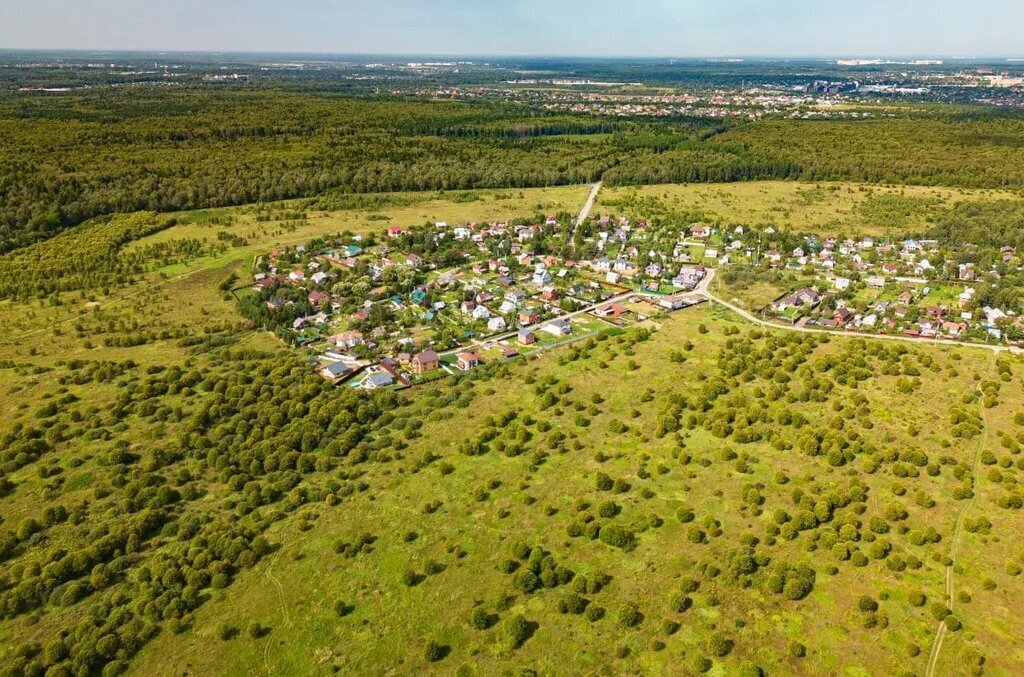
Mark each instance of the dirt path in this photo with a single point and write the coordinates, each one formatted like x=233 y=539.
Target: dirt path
x=954 y=547
x=285 y=615
x=585 y=212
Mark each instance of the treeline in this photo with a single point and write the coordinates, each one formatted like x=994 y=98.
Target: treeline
x=84 y=258
x=963 y=149
x=66 y=159
x=69 y=158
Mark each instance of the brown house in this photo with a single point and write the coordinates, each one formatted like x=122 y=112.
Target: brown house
x=426 y=361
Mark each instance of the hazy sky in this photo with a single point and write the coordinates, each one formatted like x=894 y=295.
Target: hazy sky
x=549 y=27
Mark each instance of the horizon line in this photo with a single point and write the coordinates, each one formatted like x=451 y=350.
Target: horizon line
x=525 y=55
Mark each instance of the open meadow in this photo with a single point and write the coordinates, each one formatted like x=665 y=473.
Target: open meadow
x=182 y=495
x=823 y=208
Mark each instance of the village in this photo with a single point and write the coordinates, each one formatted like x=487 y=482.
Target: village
x=419 y=303
x=912 y=287
x=423 y=302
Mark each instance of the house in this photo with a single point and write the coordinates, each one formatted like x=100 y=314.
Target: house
x=611 y=310
x=841 y=283
x=842 y=316
x=612 y=277
x=528 y=317
x=380 y=379
x=276 y=303
x=481 y=313
x=396 y=231
x=413 y=260
x=541 y=276
x=515 y=296
x=319 y=278
x=297 y=276
x=526 y=337
x=806 y=297
x=876 y=281
x=700 y=232
x=468 y=307
x=954 y=329
x=335 y=371
x=965 y=272
x=497 y=324
x=467 y=360
x=506 y=307
x=318 y=298
x=347 y=340
x=558 y=327
x=424 y=362
x=419 y=297
x=673 y=302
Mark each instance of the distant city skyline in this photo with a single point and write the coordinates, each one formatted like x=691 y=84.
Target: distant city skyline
x=643 y=28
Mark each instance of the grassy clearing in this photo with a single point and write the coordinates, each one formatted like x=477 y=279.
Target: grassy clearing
x=823 y=208
x=490 y=502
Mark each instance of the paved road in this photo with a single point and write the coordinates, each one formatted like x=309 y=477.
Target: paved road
x=704 y=290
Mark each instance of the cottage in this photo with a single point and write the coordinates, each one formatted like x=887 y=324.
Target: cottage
x=467 y=360
x=380 y=379
x=700 y=232
x=347 y=339
x=541 y=277
x=335 y=371
x=558 y=327
x=526 y=337
x=424 y=362
x=497 y=323
x=527 y=317
x=481 y=313
x=611 y=310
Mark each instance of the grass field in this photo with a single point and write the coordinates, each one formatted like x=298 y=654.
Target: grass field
x=823 y=208
x=534 y=497
x=730 y=498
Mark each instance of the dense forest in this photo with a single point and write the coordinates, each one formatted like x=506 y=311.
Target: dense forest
x=70 y=157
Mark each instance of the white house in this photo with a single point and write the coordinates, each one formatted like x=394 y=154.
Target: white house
x=559 y=327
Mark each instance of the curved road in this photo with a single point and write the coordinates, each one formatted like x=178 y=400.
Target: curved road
x=703 y=290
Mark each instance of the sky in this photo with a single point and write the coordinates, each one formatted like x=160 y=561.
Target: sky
x=661 y=28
